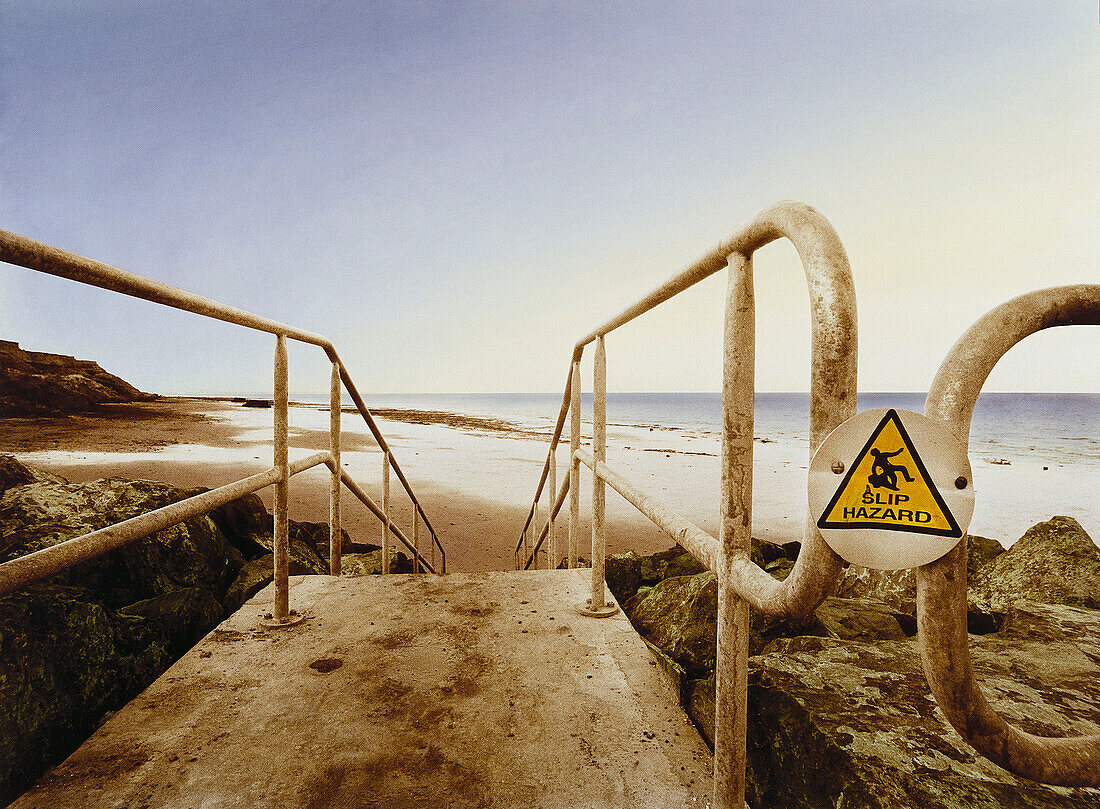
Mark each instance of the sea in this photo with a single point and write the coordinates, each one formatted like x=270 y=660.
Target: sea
x=1033 y=455
x=1051 y=428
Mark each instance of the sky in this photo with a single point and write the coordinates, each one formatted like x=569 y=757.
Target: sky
x=454 y=192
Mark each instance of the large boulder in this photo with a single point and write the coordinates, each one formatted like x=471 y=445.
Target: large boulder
x=192 y=554
x=85 y=641
x=679 y=616
x=839 y=712
x=623 y=574
x=253 y=576
x=1055 y=562
x=370 y=564
x=184 y=615
x=898 y=588
x=65 y=661
x=834 y=723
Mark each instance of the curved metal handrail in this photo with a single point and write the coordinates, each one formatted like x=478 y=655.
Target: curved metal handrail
x=942 y=585
x=742 y=583
x=833 y=383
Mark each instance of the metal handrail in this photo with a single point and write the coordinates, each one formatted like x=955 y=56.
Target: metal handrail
x=742 y=583
x=941 y=599
x=942 y=585
x=25 y=252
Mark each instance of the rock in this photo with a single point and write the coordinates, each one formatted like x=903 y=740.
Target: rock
x=361 y=564
x=184 y=615
x=837 y=723
x=684 y=564
x=622 y=572
x=765 y=553
x=896 y=588
x=14 y=473
x=35 y=383
x=262 y=403
x=653 y=569
x=370 y=564
x=65 y=661
x=980 y=551
x=245 y=523
x=679 y=616
x=303 y=559
x=858 y=619
x=1054 y=562
x=254 y=576
x=315 y=535
x=192 y=554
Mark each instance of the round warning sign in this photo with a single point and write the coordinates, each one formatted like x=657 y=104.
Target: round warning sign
x=891 y=489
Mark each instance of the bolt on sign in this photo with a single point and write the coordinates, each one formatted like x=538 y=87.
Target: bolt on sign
x=891 y=489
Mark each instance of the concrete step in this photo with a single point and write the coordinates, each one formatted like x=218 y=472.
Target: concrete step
x=466 y=690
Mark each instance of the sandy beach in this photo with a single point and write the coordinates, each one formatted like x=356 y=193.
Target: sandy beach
x=208 y=443
x=475 y=476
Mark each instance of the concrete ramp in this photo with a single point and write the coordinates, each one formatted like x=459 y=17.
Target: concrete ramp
x=468 y=690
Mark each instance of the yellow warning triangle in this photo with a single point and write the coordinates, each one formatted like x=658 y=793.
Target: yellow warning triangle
x=887 y=487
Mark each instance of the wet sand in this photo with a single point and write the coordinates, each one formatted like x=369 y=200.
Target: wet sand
x=475 y=476
x=479 y=533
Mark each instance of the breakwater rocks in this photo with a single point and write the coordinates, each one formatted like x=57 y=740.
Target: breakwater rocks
x=34 y=383
x=839 y=711
x=82 y=643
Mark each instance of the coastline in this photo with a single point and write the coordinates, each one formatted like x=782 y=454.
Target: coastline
x=475 y=475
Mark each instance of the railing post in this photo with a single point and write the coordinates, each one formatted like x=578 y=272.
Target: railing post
x=574 y=464
x=732 y=663
x=433 y=549
x=596 y=605
x=386 y=512
x=551 y=535
x=281 y=539
x=416 y=540
x=335 y=542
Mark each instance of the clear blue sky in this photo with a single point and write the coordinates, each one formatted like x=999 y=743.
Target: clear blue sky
x=454 y=192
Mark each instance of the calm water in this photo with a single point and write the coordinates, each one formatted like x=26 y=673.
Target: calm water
x=1056 y=428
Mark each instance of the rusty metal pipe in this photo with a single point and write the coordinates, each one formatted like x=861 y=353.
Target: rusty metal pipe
x=280 y=546
x=599 y=453
x=691 y=537
x=35 y=255
x=574 y=469
x=335 y=539
x=386 y=512
x=553 y=511
x=941 y=585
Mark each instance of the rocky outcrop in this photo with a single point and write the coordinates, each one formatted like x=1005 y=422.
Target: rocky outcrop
x=1055 y=562
x=839 y=712
x=370 y=563
x=83 y=642
x=34 y=383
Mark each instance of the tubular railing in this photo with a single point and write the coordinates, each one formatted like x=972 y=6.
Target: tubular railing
x=941 y=585
x=743 y=584
x=24 y=252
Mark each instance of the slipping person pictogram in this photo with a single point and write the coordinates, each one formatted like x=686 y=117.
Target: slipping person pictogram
x=884 y=475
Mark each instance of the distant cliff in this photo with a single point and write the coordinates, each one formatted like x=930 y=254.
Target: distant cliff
x=33 y=383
